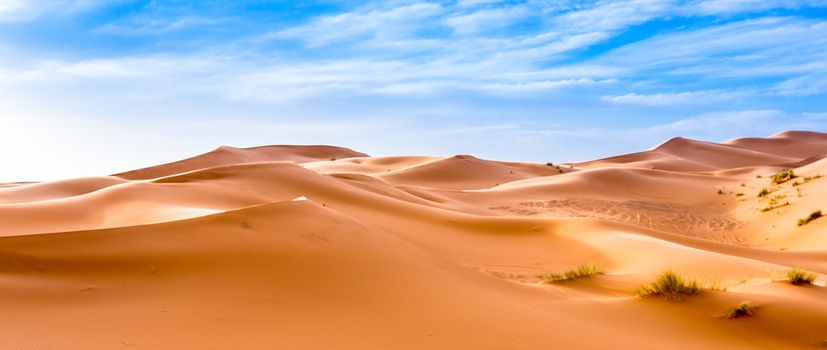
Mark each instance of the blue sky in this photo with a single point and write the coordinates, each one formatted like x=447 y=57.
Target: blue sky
x=91 y=87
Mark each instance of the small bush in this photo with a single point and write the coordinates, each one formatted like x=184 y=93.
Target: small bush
x=739 y=194
x=814 y=215
x=764 y=192
x=582 y=271
x=783 y=176
x=720 y=191
x=798 y=276
x=671 y=286
x=743 y=309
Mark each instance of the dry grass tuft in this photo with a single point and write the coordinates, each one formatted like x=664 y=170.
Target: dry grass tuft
x=799 y=277
x=582 y=271
x=742 y=310
x=670 y=286
x=783 y=176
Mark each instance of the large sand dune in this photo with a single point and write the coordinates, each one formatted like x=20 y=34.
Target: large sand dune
x=320 y=247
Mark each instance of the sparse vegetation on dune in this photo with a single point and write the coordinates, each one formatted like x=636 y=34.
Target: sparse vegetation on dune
x=582 y=271
x=773 y=207
x=783 y=176
x=764 y=192
x=775 y=203
x=671 y=286
x=810 y=178
x=799 y=277
x=742 y=310
x=813 y=216
x=555 y=166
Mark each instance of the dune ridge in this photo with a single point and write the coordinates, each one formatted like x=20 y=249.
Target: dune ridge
x=324 y=247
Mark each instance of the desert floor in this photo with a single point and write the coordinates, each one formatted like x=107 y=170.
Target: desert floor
x=320 y=247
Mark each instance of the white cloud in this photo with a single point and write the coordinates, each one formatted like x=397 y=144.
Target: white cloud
x=614 y=15
x=26 y=10
x=807 y=85
x=672 y=99
x=717 y=122
x=370 y=21
x=486 y=19
x=716 y=7
x=756 y=47
x=159 y=25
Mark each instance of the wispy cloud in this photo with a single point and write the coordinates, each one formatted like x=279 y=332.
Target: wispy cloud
x=673 y=99
x=807 y=85
x=26 y=10
x=713 y=7
x=754 y=47
x=367 y=22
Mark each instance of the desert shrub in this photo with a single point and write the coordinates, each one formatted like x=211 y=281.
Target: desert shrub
x=739 y=194
x=671 y=286
x=582 y=271
x=720 y=191
x=783 y=176
x=814 y=215
x=764 y=192
x=743 y=309
x=798 y=276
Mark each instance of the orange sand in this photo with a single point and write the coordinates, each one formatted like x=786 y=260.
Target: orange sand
x=220 y=251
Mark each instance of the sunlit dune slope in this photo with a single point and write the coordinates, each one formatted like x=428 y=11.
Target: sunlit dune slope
x=680 y=154
x=226 y=155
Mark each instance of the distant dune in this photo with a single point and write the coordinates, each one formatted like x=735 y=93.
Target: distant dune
x=221 y=251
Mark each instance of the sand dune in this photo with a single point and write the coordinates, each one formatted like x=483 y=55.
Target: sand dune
x=681 y=154
x=796 y=144
x=416 y=252
x=34 y=192
x=226 y=155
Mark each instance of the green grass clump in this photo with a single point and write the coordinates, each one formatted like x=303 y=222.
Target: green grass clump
x=799 y=277
x=671 y=286
x=743 y=309
x=582 y=271
x=783 y=176
x=814 y=215
x=764 y=192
